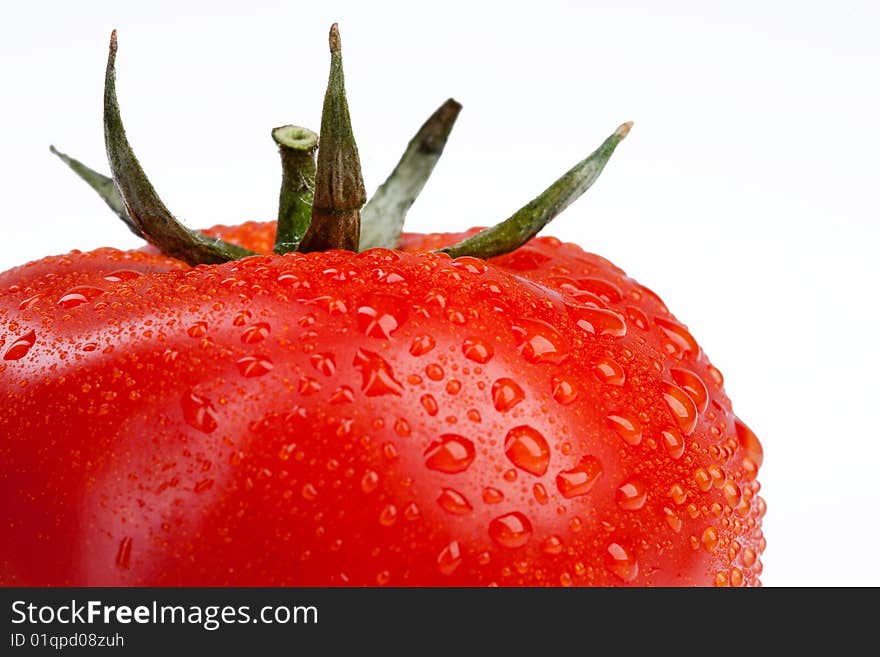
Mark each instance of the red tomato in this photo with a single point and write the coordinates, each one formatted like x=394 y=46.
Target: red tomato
x=384 y=418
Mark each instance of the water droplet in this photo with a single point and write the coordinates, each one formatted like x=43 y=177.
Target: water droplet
x=540 y=494
x=672 y=520
x=710 y=539
x=693 y=385
x=539 y=342
x=606 y=291
x=637 y=317
x=198 y=330
x=598 y=321
x=622 y=562
x=251 y=366
x=527 y=449
x=673 y=441
x=256 y=333
x=510 y=475
x=454 y=502
x=411 y=511
x=579 y=479
x=198 y=411
x=308 y=386
x=702 y=479
x=681 y=406
x=389 y=451
x=309 y=492
x=451 y=453
x=20 y=347
x=681 y=342
x=123 y=553
x=79 y=295
x=429 y=404
x=342 y=395
x=421 y=344
x=492 y=495
x=749 y=557
x=369 y=481
x=122 y=275
x=377 y=375
x=552 y=545
x=511 y=530
x=749 y=442
x=402 y=428
x=629 y=429
x=736 y=577
x=453 y=386
x=631 y=495
x=610 y=372
x=732 y=493
x=203 y=485
x=381 y=316
x=449 y=558
x=29 y=302
x=434 y=372
x=506 y=393
x=565 y=390
x=470 y=264
x=388 y=515
x=383 y=577
x=477 y=350
x=678 y=494
x=721 y=580
x=242 y=318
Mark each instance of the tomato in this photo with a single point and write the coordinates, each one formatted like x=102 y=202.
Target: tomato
x=387 y=417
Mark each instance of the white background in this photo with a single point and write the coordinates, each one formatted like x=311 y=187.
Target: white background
x=746 y=194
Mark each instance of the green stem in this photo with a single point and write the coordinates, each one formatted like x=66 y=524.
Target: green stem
x=297 y=147
x=383 y=216
x=144 y=207
x=103 y=185
x=526 y=222
x=339 y=187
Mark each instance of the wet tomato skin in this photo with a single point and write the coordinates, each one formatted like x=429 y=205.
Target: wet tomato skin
x=385 y=418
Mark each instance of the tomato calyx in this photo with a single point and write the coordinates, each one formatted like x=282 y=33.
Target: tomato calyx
x=323 y=205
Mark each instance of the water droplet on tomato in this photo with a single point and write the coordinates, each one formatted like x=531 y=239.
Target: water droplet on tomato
x=324 y=363
x=539 y=342
x=377 y=375
x=672 y=519
x=369 y=481
x=610 y=372
x=681 y=406
x=565 y=390
x=631 y=495
x=492 y=495
x=540 y=494
x=579 y=479
x=629 y=429
x=470 y=264
x=511 y=530
x=429 y=404
x=252 y=366
x=421 y=345
x=411 y=511
x=449 y=558
x=598 y=321
x=477 y=350
x=673 y=441
x=678 y=494
x=29 y=302
x=309 y=492
x=693 y=385
x=122 y=275
x=198 y=411
x=256 y=333
x=710 y=539
x=434 y=372
x=198 y=330
x=123 y=552
x=606 y=291
x=621 y=561
x=527 y=449
x=749 y=442
x=680 y=342
x=380 y=316
x=203 y=485
x=506 y=393
x=454 y=502
x=79 y=295
x=552 y=545
x=388 y=515
x=749 y=557
x=451 y=453
x=21 y=346
x=342 y=395
x=702 y=479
